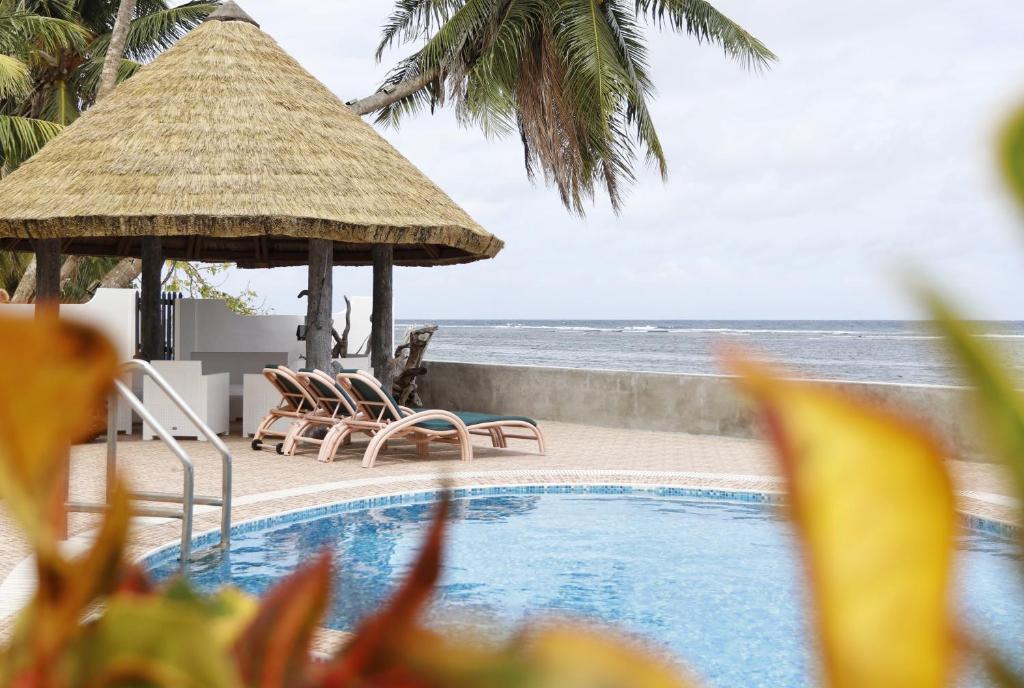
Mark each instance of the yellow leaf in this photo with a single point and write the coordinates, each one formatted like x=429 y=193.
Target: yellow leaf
x=152 y=641
x=873 y=505
x=577 y=657
x=54 y=377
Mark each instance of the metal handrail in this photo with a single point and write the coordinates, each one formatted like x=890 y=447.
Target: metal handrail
x=187 y=498
x=214 y=439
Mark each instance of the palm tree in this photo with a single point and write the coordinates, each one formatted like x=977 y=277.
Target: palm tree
x=569 y=77
x=28 y=41
x=51 y=59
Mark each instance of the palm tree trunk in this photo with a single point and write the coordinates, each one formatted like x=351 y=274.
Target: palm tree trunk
x=390 y=94
x=382 y=325
x=115 y=49
x=318 y=304
x=26 y=290
x=122 y=275
x=68 y=270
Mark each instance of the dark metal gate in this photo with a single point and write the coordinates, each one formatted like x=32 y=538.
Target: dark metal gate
x=167 y=310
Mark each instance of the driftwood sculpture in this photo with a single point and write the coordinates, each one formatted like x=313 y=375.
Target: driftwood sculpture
x=340 y=349
x=408 y=364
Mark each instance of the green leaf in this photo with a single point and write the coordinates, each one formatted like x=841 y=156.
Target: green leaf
x=156 y=28
x=153 y=641
x=1012 y=154
x=1001 y=406
x=15 y=80
x=22 y=29
x=22 y=137
x=701 y=20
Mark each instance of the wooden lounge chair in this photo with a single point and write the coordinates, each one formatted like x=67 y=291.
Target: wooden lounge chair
x=295 y=403
x=379 y=416
x=333 y=406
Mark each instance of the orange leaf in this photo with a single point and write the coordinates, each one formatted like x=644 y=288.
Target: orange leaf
x=55 y=376
x=66 y=589
x=873 y=505
x=274 y=651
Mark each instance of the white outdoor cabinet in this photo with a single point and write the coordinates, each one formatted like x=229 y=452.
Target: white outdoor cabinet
x=258 y=397
x=206 y=394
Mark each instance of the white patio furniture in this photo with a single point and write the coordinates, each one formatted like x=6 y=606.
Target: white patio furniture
x=207 y=395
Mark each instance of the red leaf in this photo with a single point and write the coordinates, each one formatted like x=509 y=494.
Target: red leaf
x=274 y=651
x=378 y=635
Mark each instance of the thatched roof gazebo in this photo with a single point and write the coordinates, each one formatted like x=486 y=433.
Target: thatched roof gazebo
x=228 y=150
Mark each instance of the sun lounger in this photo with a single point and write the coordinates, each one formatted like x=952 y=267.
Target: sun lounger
x=381 y=417
x=333 y=406
x=295 y=403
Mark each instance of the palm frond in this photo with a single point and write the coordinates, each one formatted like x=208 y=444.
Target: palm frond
x=60 y=103
x=598 y=83
x=88 y=76
x=21 y=138
x=52 y=34
x=569 y=76
x=411 y=20
x=15 y=79
x=700 y=19
x=156 y=30
x=12 y=267
x=455 y=47
x=633 y=56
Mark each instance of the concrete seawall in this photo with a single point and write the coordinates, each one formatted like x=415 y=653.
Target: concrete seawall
x=697 y=404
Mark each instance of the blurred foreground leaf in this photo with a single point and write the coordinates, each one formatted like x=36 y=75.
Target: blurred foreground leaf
x=274 y=650
x=873 y=505
x=156 y=641
x=1001 y=406
x=55 y=377
x=378 y=643
x=575 y=657
x=1012 y=152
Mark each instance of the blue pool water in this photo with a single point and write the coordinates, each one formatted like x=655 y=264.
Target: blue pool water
x=716 y=583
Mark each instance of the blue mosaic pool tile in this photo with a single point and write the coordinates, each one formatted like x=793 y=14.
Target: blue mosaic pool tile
x=212 y=538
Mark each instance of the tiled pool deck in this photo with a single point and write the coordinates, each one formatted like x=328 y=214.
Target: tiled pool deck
x=265 y=483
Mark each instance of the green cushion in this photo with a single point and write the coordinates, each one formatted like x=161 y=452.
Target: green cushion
x=371 y=393
x=327 y=392
x=296 y=403
x=470 y=418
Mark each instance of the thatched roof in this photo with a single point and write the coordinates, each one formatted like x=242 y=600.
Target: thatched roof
x=229 y=149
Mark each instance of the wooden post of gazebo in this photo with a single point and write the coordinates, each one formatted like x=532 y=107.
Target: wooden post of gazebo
x=149 y=295
x=318 y=304
x=47 y=276
x=382 y=324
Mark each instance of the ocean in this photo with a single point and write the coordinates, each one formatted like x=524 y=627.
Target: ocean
x=874 y=351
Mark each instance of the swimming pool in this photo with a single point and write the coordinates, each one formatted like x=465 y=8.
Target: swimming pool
x=713 y=581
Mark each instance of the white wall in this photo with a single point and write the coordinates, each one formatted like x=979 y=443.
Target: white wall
x=228 y=342
x=111 y=311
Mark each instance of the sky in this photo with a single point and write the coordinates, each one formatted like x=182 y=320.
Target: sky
x=806 y=192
